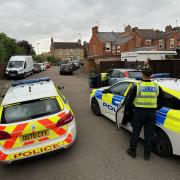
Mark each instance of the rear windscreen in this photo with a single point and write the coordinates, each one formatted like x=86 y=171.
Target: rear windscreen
x=30 y=110
x=134 y=74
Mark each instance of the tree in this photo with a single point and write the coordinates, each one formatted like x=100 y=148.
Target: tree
x=27 y=47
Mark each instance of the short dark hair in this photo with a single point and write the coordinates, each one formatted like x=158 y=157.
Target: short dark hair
x=147 y=70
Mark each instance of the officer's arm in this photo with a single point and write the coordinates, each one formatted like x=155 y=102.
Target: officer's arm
x=161 y=101
x=130 y=98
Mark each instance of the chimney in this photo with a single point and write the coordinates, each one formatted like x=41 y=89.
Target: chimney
x=52 y=41
x=168 y=28
x=135 y=29
x=128 y=29
x=95 y=30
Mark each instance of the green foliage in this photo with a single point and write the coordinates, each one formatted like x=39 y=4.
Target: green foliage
x=10 y=47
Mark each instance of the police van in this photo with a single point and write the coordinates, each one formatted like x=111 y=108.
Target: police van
x=35 y=118
x=109 y=101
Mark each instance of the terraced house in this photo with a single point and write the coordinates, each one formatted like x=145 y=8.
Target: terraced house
x=67 y=50
x=103 y=44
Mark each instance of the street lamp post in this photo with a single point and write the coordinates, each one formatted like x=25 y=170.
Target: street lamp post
x=38 y=47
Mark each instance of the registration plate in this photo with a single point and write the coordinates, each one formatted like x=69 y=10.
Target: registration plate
x=34 y=135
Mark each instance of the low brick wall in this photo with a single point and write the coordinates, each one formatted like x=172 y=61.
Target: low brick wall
x=2 y=70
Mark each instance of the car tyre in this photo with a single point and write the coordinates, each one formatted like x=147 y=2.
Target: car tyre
x=95 y=107
x=161 y=143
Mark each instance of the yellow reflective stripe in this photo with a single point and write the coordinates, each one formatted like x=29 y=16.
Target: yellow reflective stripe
x=107 y=98
x=127 y=90
x=60 y=102
x=172 y=120
x=1 y=110
x=172 y=92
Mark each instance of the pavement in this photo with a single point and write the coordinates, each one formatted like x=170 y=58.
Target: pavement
x=99 y=152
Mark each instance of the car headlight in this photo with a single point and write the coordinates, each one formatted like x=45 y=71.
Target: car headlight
x=21 y=70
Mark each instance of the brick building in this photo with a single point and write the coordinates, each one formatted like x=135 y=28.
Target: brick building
x=114 y=43
x=67 y=50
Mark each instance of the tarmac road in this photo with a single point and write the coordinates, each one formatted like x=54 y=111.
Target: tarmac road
x=99 y=152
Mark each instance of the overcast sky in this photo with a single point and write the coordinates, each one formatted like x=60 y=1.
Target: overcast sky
x=64 y=20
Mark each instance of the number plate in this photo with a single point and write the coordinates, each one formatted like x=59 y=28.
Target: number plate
x=34 y=135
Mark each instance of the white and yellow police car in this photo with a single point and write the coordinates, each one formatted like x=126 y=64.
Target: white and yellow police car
x=35 y=118
x=109 y=101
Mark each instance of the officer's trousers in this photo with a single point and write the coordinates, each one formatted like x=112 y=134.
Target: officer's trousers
x=143 y=118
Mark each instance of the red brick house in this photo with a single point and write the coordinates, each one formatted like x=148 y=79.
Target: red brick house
x=108 y=43
x=113 y=43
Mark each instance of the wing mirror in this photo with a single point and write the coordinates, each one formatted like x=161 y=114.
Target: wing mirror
x=60 y=87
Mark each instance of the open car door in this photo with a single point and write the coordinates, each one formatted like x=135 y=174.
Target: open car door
x=120 y=115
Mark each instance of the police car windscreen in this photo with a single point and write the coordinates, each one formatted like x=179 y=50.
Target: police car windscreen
x=135 y=74
x=30 y=110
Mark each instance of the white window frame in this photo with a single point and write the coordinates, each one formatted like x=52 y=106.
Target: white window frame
x=118 y=48
x=67 y=52
x=172 y=43
x=148 y=42
x=113 y=48
x=60 y=52
x=161 y=43
x=108 y=47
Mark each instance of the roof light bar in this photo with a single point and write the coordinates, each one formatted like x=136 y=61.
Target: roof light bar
x=31 y=81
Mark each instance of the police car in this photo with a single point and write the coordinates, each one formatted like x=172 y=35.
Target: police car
x=35 y=118
x=109 y=101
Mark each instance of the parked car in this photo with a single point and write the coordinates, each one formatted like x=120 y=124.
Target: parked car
x=37 y=121
x=66 y=69
x=46 y=64
x=115 y=75
x=37 y=68
x=19 y=66
x=161 y=75
x=43 y=67
x=110 y=102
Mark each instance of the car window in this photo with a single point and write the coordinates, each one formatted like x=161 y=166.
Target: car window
x=109 y=72
x=30 y=110
x=116 y=74
x=120 y=88
x=172 y=102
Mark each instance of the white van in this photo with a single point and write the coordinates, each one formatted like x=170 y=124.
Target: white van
x=19 y=66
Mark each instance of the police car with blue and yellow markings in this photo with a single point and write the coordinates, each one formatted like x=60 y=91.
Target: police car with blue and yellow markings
x=109 y=101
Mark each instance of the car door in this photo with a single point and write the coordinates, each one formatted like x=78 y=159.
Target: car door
x=114 y=96
x=115 y=77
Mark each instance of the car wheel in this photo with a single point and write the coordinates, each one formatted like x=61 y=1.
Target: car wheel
x=95 y=107
x=161 y=143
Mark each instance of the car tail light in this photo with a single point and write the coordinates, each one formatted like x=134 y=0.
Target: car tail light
x=4 y=135
x=65 y=120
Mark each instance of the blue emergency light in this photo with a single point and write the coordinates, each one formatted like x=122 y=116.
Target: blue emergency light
x=30 y=81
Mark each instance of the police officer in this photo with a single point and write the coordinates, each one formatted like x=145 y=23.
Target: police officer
x=146 y=96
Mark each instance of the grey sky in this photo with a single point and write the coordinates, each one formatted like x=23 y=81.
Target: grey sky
x=39 y=20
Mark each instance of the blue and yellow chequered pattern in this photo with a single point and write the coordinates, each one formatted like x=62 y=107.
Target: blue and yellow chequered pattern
x=111 y=99
x=166 y=117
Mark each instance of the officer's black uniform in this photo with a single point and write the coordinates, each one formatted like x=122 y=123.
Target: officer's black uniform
x=143 y=117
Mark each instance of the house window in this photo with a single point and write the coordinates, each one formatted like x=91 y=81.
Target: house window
x=114 y=48
x=118 y=48
x=148 y=42
x=94 y=49
x=171 y=43
x=60 y=52
x=108 y=46
x=161 y=45
x=67 y=52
